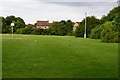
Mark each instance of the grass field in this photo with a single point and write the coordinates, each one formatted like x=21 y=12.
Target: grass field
x=36 y=56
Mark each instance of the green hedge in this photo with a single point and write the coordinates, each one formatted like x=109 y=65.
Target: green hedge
x=96 y=32
x=106 y=32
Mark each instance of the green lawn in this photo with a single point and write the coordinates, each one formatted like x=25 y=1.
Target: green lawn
x=36 y=56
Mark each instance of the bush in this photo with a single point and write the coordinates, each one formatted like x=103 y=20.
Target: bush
x=96 y=32
x=116 y=23
x=24 y=31
x=92 y=22
x=79 y=32
x=21 y=31
x=45 y=32
x=36 y=31
x=108 y=34
x=28 y=30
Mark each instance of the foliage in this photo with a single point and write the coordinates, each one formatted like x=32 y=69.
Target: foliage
x=10 y=19
x=109 y=34
x=110 y=28
x=107 y=28
x=21 y=31
x=57 y=28
x=111 y=15
x=19 y=23
x=6 y=28
x=24 y=31
x=61 y=28
x=116 y=23
x=34 y=31
x=79 y=32
x=91 y=23
x=96 y=32
x=45 y=32
x=106 y=32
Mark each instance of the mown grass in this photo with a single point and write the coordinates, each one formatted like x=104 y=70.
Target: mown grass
x=37 y=56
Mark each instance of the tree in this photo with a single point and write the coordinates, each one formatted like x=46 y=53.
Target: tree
x=109 y=34
x=96 y=32
x=92 y=22
x=21 y=31
x=19 y=23
x=5 y=28
x=69 y=26
x=61 y=28
x=79 y=32
x=116 y=23
x=37 y=31
x=10 y=19
x=111 y=15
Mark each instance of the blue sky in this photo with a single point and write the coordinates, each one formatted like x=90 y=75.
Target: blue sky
x=55 y=10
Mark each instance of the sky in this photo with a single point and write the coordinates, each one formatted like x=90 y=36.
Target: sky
x=55 y=10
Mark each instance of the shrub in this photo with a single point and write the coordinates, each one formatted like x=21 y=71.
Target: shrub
x=21 y=31
x=24 y=31
x=28 y=30
x=36 y=31
x=96 y=32
x=108 y=34
x=79 y=32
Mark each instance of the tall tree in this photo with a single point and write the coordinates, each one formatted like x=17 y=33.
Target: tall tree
x=111 y=15
x=19 y=23
x=62 y=28
x=116 y=23
x=9 y=19
x=6 y=27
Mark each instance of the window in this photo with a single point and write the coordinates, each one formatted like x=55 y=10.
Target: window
x=46 y=26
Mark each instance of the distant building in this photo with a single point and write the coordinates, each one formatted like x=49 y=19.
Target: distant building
x=75 y=26
x=42 y=24
x=30 y=25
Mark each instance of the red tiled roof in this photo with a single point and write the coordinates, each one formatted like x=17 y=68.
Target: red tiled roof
x=30 y=25
x=78 y=22
x=43 y=23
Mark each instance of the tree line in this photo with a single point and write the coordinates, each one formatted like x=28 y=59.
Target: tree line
x=107 y=28
x=57 y=28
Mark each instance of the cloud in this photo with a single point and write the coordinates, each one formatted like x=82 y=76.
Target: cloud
x=31 y=11
x=58 y=1
x=77 y=0
x=80 y=4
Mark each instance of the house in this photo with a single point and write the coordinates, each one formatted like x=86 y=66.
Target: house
x=75 y=26
x=30 y=25
x=42 y=24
